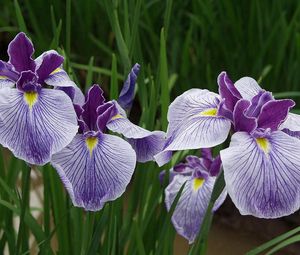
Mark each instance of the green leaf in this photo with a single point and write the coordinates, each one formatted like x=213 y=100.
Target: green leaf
x=20 y=18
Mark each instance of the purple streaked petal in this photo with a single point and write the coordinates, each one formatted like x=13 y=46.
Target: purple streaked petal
x=248 y=87
x=206 y=153
x=34 y=132
x=50 y=61
x=228 y=91
x=291 y=133
x=274 y=113
x=147 y=147
x=192 y=205
x=127 y=93
x=188 y=105
x=292 y=122
x=241 y=121
x=263 y=176
x=94 y=99
x=146 y=143
x=93 y=177
x=74 y=93
x=257 y=102
x=20 y=51
x=224 y=112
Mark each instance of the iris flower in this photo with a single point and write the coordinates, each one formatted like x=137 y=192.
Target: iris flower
x=199 y=176
x=261 y=165
x=35 y=121
x=96 y=167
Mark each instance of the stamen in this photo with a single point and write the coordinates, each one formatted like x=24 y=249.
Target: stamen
x=30 y=98
x=197 y=183
x=91 y=143
x=209 y=112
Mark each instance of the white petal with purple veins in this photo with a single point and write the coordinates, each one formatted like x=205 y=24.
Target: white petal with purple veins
x=95 y=171
x=35 y=126
x=262 y=175
x=292 y=122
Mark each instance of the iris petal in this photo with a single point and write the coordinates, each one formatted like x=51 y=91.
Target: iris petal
x=33 y=130
x=263 y=175
x=93 y=178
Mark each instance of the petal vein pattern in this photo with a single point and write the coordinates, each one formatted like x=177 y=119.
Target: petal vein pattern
x=265 y=185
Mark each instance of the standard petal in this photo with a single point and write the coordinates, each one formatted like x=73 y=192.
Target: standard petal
x=74 y=93
x=241 y=121
x=248 y=87
x=262 y=175
x=35 y=127
x=146 y=143
x=292 y=122
x=95 y=177
x=192 y=205
x=20 y=51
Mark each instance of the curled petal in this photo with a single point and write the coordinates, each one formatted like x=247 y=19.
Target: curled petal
x=20 y=51
x=192 y=205
x=35 y=126
x=95 y=171
x=127 y=93
x=228 y=91
x=248 y=87
x=8 y=76
x=262 y=175
x=241 y=121
x=74 y=93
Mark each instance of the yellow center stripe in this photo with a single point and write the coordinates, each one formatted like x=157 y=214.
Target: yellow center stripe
x=209 y=112
x=56 y=70
x=263 y=144
x=91 y=143
x=118 y=116
x=197 y=183
x=30 y=98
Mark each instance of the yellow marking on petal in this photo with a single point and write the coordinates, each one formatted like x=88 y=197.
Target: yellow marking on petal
x=197 y=183
x=91 y=143
x=118 y=116
x=56 y=70
x=263 y=144
x=3 y=77
x=209 y=112
x=30 y=98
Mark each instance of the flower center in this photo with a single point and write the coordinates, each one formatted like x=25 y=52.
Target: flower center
x=209 y=112
x=30 y=98
x=197 y=183
x=91 y=143
x=263 y=144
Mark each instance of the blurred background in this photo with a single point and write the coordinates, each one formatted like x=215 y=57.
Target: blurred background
x=180 y=45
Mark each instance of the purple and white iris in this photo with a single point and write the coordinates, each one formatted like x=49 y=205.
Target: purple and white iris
x=199 y=176
x=35 y=121
x=262 y=163
x=97 y=167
